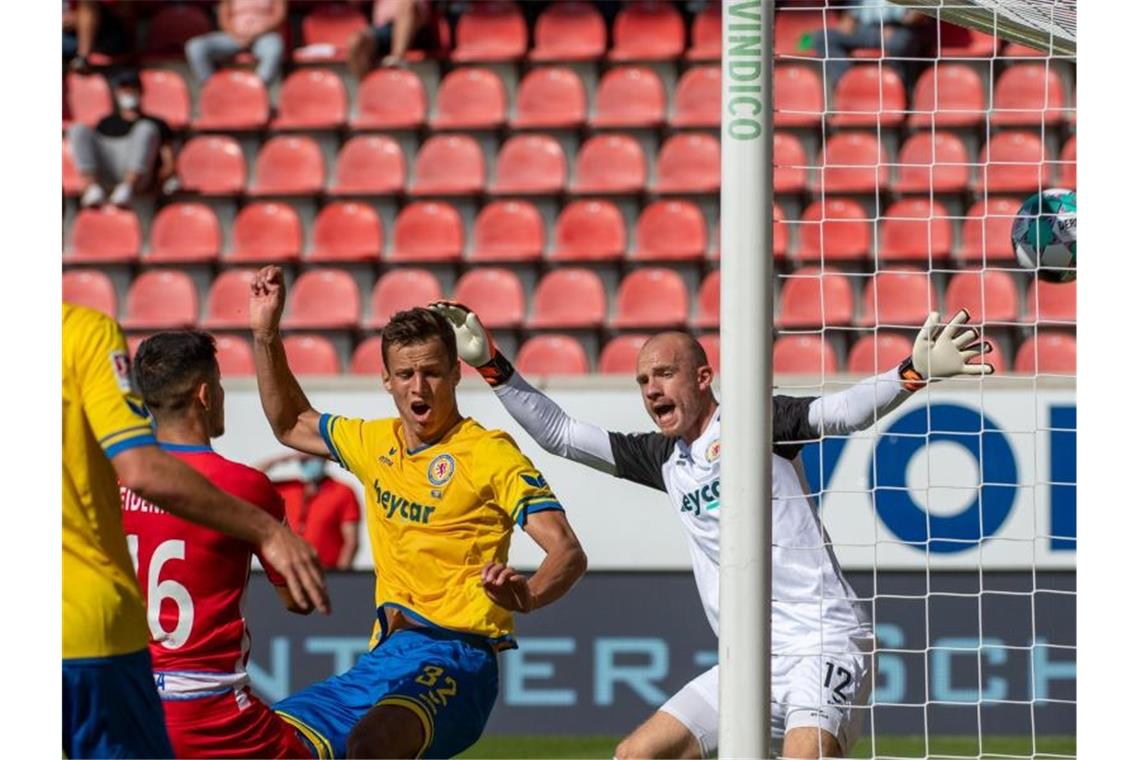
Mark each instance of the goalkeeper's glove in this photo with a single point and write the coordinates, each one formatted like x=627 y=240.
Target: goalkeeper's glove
x=474 y=342
x=946 y=352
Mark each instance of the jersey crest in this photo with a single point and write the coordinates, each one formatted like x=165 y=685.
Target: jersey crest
x=441 y=469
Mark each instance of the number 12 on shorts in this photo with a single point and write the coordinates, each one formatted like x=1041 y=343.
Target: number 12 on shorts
x=838 y=679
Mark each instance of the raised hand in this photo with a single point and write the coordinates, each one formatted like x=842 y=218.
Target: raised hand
x=946 y=352
x=266 y=301
x=506 y=587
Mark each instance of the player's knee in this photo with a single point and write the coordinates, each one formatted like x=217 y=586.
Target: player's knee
x=809 y=744
x=386 y=732
x=635 y=747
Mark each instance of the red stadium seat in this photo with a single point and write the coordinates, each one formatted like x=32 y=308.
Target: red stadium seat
x=569 y=31
x=803 y=355
x=711 y=344
x=402 y=289
x=347 y=231
x=689 y=162
x=696 y=102
x=312 y=99
x=1014 y=162
x=326 y=31
x=990 y=295
x=589 y=230
x=323 y=299
x=171 y=27
x=816 y=298
x=878 y=352
x=1068 y=163
x=311 y=355
x=265 y=232
x=789 y=173
x=449 y=165
x=366 y=359
x=1051 y=302
x=975 y=45
x=88 y=98
x=915 y=229
x=869 y=95
x=609 y=164
x=951 y=94
x=235 y=357
x=898 y=298
x=185 y=232
x=648 y=31
x=508 y=231
x=161 y=299
x=1047 y=354
x=986 y=230
x=706 y=34
x=793 y=25
x=1028 y=94
x=937 y=163
x=551 y=97
x=569 y=298
x=211 y=165
x=530 y=165
x=495 y=294
x=470 y=98
x=853 y=162
x=651 y=297
x=552 y=355
x=671 y=230
x=71 y=182
x=1016 y=50
x=107 y=235
x=708 y=302
x=619 y=356
x=164 y=95
x=798 y=97
x=390 y=98
x=629 y=96
x=835 y=230
x=227 y=302
x=490 y=31
x=369 y=165
x=232 y=100
x=779 y=233
x=289 y=166
x=91 y=288
x=427 y=231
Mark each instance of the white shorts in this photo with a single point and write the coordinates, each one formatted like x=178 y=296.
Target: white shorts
x=828 y=691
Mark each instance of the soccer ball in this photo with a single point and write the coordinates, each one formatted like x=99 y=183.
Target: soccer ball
x=1044 y=235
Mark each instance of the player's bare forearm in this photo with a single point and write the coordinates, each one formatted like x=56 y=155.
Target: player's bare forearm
x=565 y=560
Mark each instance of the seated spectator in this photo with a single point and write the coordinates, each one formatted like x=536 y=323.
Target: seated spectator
x=872 y=24
x=323 y=511
x=245 y=25
x=397 y=25
x=128 y=150
x=94 y=27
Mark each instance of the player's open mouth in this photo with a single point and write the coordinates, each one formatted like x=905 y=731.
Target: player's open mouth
x=421 y=408
x=664 y=411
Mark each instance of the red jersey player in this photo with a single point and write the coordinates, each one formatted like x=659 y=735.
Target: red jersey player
x=193 y=578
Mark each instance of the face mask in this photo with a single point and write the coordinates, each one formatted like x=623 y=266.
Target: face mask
x=312 y=470
x=128 y=102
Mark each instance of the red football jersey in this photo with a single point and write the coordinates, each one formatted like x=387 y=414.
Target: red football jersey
x=193 y=580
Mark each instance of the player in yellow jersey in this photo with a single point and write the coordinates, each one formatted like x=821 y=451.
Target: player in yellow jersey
x=444 y=495
x=110 y=705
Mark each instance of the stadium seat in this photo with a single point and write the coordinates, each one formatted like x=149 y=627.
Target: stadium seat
x=91 y=288
x=589 y=230
x=670 y=230
x=227 y=301
x=164 y=95
x=170 y=27
x=552 y=355
x=937 y=163
x=878 y=352
x=311 y=99
x=427 y=231
x=651 y=297
x=975 y=45
x=812 y=297
x=689 y=162
x=495 y=294
x=619 y=355
x=1013 y=162
x=311 y=355
x=1017 y=50
x=898 y=298
x=235 y=357
x=232 y=100
x=711 y=344
x=609 y=164
x=708 y=302
x=1028 y=94
x=470 y=98
x=1047 y=353
x=648 y=31
x=550 y=97
x=696 y=101
x=390 y=98
x=211 y=165
x=71 y=181
x=569 y=31
x=803 y=355
x=834 y=230
x=869 y=95
x=629 y=96
x=853 y=162
x=490 y=31
x=366 y=359
x=265 y=232
x=790 y=164
x=107 y=235
x=986 y=230
x=161 y=299
x=323 y=299
x=449 y=165
x=185 y=232
x=793 y=25
x=88 y=98
x=369 y=165
x=1068 y=172
x=401 y=289
x=288 y=165
x=798 y=97
x=1051 y=302
x=507 y=231
x=530 y=165
x=347 y=231
x=569 y=298
x=326 y=31
x=779 y=233
x=990 y=295
x=915 y=229
x=706 y=34
x=950 y=94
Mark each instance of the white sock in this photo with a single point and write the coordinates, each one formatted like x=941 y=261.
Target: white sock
x=92 y=196
x=122 y=193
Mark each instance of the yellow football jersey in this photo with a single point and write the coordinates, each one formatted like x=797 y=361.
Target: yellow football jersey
x=103 y=612
x=436 y=515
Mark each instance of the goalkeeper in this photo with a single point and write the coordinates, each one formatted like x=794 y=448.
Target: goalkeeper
x=821 y=635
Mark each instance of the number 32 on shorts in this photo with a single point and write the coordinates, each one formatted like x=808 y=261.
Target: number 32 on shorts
x=838 y=679
x=438 y=687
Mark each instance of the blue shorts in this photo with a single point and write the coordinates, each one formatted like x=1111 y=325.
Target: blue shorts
x=111 y=708
x=448 y=680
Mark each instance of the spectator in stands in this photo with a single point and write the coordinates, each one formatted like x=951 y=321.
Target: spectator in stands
x=873 y=23
x=323 y=511
x=244 y=25
x=397 y=25
x=127 y=150
x=90 y=27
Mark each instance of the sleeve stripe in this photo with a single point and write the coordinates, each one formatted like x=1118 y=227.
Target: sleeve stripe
x=326 y=425
x=542 y=506
x=130 y=443
x=536 y=497
x=132 y=429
